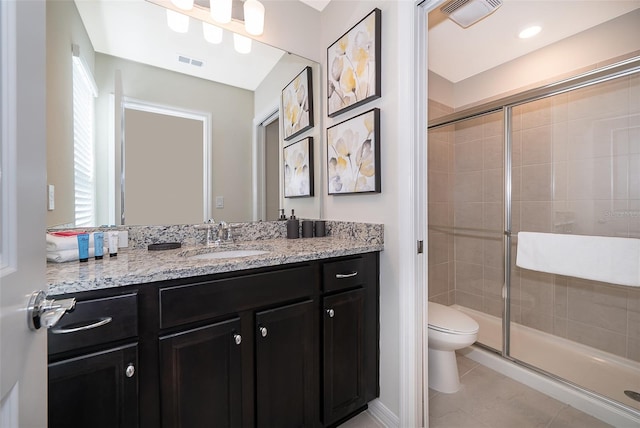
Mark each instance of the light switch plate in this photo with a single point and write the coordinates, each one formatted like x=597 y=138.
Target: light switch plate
x=51 y=197
x=219 y=201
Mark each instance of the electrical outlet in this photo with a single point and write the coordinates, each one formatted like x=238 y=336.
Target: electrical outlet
x=51 y=197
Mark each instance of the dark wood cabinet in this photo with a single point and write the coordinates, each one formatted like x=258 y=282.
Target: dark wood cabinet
x=201 y=377
x=343 y=354
x=95 y=390
x=285 y=396
x=256 y=348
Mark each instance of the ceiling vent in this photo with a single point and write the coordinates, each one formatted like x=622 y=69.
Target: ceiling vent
x=186 y=60
x=467 y=12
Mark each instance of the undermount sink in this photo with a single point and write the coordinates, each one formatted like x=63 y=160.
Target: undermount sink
x=227 y=254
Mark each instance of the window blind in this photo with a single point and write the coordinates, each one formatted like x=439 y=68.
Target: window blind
x=83 y=144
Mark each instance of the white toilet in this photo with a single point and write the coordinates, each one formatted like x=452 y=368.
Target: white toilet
x=449 y=330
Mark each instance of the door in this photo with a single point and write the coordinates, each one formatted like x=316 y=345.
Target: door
x=272 y=170
x=98 y=390
x=343 y=354
x=201 y=377
x=284 y=366
x=23 y=353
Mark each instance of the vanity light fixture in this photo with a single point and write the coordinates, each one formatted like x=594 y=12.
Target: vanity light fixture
x=241 y=43
x=530 y=31
x=249 y=11
x=177 y=21
x=183 y=4
x=253 y=17
x=221 y=10
x=212 y=34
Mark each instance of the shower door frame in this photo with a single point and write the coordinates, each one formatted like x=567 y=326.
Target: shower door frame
x=506 y=104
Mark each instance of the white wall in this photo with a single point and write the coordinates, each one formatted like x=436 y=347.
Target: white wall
x=392 y=206
x=267 y=96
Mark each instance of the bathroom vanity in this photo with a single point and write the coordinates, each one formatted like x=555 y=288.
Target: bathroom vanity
x=284 y=338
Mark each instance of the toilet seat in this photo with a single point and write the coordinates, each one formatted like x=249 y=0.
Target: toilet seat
x=448 y=320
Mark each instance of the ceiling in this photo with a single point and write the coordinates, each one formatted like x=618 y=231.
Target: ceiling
x=137 y=30
x=456 y=53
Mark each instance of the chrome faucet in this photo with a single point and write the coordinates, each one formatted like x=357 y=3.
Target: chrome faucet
x=224 y=232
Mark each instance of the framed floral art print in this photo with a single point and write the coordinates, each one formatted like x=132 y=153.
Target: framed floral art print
x=353 y=155
x=353 y=66
x=297 y=105
x=298 y=169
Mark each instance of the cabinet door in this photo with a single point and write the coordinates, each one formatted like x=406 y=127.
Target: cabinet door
x=201 y=377
x=343 y=354
x=95 y=390
x=284 y=366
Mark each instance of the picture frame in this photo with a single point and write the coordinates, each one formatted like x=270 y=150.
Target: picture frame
x=297 y=105
x=353 y=155
x=354 y=65
x=297 y=169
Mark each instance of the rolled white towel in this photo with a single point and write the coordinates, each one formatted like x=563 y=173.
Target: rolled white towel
x=62 y=256
x=59 y=243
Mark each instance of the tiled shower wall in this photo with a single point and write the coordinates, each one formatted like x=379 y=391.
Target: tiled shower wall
x=576 y=169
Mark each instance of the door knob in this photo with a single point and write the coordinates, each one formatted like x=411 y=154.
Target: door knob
x=42 y=311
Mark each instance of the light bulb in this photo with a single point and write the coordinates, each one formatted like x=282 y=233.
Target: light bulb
x=241 y=44
x=212 y=34
x=221 y=10
x=253 y=17
x=177 y=21
x=183 y=4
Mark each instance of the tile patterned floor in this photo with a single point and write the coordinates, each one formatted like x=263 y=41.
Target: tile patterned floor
x=489 y=399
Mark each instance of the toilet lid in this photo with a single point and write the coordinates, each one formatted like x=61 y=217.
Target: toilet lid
x=447 y=319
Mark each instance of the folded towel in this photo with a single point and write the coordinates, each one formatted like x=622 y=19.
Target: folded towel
x=598 y=258
x=62 y=256
x=60 y=241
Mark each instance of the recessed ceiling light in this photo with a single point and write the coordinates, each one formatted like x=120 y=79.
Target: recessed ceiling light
x=530 y=31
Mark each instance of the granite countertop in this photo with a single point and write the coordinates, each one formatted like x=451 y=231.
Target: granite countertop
x=138 y=266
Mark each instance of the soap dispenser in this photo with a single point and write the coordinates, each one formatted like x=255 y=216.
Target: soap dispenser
x=282 y=216
x=293 y=227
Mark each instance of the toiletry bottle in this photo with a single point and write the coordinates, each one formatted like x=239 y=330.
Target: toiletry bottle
x=113 y=243
x=293 y=227
x=282 y=216
x=98 y=240
x=83 y=247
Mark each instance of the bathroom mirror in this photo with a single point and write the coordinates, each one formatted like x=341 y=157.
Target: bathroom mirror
x=236 y=95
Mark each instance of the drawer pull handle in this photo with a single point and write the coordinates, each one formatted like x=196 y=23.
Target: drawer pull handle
x=101 y=322
x=346 y=275
x=237 y=338
x=130 y=371
x=331 y=313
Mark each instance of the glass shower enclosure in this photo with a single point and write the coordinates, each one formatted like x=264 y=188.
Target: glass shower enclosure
x=561 y=159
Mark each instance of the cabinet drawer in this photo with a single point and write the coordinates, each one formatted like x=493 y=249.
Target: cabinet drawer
x=344 y=274
x=197 y=302
x=94 y=322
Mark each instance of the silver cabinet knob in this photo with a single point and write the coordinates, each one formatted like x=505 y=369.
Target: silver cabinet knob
x=130 y=371
x=331 y=313
x=237 y=338
x=263 y=331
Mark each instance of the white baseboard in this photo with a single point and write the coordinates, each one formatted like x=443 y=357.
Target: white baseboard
x=562 y=392
x=382 y=413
